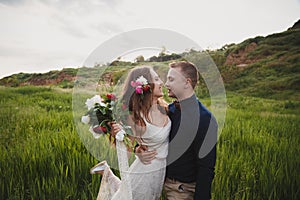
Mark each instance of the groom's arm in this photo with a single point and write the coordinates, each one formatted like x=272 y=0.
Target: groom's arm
x=205 y=175
x=206 y=165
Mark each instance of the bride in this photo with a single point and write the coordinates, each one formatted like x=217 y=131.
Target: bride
x=151 y=126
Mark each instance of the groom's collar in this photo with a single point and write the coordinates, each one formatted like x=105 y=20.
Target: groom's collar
x=185 y=102
x=188 y=100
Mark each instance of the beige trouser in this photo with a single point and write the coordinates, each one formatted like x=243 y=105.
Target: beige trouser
x=176 y=190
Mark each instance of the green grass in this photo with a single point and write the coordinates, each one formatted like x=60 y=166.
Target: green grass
x=257 y=152
x=42 y=156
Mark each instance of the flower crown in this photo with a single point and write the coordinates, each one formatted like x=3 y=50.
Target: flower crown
x=141 y=85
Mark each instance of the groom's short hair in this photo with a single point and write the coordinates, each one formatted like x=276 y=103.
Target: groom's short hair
x=188 y=69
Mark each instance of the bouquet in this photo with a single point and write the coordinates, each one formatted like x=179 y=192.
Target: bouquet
x=100 y=115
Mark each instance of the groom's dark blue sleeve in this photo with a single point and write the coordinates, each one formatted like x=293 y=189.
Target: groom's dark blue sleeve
x=205 y=165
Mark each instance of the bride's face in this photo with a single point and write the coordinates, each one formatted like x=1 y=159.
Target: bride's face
x=158 y=84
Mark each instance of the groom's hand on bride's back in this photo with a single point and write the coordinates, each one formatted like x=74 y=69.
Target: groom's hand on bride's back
x=144 y=155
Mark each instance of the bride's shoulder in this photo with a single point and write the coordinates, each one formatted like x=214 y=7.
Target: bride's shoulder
x=163 y=105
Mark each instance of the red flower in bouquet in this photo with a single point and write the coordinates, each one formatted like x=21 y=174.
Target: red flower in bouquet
x=100 y=129
x=111 y=96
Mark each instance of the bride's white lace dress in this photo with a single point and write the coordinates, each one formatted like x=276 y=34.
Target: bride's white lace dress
x=140 y=182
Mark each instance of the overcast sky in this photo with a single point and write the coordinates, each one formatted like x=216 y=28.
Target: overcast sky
x=39 y=36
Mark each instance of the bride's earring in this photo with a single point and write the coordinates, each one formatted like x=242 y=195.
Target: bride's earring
x=99 y=168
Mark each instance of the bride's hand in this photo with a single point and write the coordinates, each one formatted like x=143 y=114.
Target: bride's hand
x=144 y=155
x=115 y=128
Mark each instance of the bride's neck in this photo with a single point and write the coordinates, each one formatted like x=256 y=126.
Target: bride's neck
x=154 y=104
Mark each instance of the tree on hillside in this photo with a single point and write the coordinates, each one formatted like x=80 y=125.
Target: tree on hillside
x=139 y=59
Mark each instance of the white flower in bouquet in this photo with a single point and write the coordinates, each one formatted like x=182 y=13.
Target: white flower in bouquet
x=90 y=103
x=85 y=119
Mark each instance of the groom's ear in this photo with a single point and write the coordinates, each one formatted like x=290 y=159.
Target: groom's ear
x=188 y=82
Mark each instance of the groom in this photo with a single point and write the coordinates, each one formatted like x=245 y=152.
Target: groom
x=192 y=141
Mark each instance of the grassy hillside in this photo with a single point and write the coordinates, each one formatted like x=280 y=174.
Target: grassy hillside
x=63 y=78
x=266 y=67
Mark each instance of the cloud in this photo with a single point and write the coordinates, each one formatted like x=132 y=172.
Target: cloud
x=12 y=2
x=109 y=3
x=13 y=52
x=82 y=19
x=59 y=32
x=82 y=7
x=108 y=28
x=69 y=26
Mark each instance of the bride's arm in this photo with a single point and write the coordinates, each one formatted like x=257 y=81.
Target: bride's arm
x=134 y=137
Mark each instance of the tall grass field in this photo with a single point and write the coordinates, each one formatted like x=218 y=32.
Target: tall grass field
x=42 y=156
